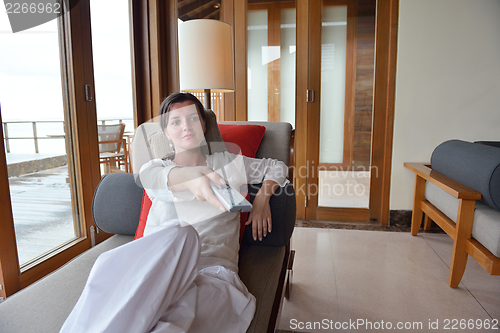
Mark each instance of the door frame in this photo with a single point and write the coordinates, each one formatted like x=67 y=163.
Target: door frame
x=308 y=115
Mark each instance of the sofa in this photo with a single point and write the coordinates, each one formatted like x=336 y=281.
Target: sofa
x=264 y=266
x=460 y=191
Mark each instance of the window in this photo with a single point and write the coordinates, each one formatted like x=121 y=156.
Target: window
x=53 y=79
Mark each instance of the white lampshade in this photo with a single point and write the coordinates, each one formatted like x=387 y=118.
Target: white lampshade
x=205 y=56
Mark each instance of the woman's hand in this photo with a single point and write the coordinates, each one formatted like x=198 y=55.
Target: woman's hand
x=197 y=180
x=260 y=216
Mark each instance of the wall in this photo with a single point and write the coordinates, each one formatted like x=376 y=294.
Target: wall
x=448 y=82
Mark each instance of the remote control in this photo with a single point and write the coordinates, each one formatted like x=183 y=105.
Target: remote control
x=231 y=199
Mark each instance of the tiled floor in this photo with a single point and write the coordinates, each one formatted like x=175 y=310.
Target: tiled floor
x=344 y=188
x=378 y=279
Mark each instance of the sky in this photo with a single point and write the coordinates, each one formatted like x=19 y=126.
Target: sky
x=30 y=78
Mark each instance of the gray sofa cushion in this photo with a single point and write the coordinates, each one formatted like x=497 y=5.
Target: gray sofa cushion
x=471 y=164
x=443 y=201
x=260 y=274
x=270 y=146
x=486 y=228
x=44 y=306
x=486 y=225
x=117 y=204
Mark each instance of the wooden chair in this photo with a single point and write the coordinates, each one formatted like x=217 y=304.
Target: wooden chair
x=113 y=151
x=460 y=229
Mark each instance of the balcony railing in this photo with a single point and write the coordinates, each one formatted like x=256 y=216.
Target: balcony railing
x=35 y=129
x=217 y=102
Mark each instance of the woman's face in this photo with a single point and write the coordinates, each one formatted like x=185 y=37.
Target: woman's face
x=185 y=127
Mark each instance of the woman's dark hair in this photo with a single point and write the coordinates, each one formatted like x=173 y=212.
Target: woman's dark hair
x=179 y=97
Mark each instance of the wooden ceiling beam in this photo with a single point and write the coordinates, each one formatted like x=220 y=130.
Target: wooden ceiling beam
x=215 y=15
x=183 y=3
x=207 y=11
x=195 y=7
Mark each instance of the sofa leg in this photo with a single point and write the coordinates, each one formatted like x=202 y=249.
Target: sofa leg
x=289 y=273
x=416 y=219
x=457 y=269
x=427 y=222
x=463 y=232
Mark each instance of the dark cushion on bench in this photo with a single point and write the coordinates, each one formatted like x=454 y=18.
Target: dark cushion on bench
x=282 y=210
x=117 y=204
x=489 y=143
x=472 y=164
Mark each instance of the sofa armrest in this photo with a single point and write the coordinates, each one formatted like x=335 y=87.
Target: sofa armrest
x=116 y=206
x=447 y=184
x=283 y=212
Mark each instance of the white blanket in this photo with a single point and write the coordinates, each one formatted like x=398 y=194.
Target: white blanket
x=153 y=285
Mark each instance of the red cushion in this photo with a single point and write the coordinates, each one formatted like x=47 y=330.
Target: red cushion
x=246 y=139
x=145 y=207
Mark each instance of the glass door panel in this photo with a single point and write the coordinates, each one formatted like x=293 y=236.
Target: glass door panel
x=288 y=53
x=329 y=150
x=111 y=49
x=347 y=69
x=37 y=140
x=259 y=56
x=333 y=77
x=271 y=39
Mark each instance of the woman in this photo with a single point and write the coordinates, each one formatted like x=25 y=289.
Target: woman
x=182 y=276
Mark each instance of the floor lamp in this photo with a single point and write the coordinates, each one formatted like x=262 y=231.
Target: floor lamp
x=205 y=57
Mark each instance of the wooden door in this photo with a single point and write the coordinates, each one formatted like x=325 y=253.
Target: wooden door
x=308 y=112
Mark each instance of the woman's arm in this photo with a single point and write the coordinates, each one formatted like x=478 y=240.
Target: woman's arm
x=272 y=174
x=197 y=181
x=165 y=180
x=260 y=216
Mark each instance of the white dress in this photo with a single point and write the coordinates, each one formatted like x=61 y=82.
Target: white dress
x=182 y=275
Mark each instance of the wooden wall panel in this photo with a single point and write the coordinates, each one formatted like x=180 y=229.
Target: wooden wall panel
x=171 y=48
x=155 y=60
x=274 y=67
x=301 y=129
x=240 y=60
x=141 y=74
x=383 y=107
x=228 y=101
x=313 y=108
x=365 y=66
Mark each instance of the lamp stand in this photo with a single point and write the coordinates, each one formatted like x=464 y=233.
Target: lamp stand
x=207 y=99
